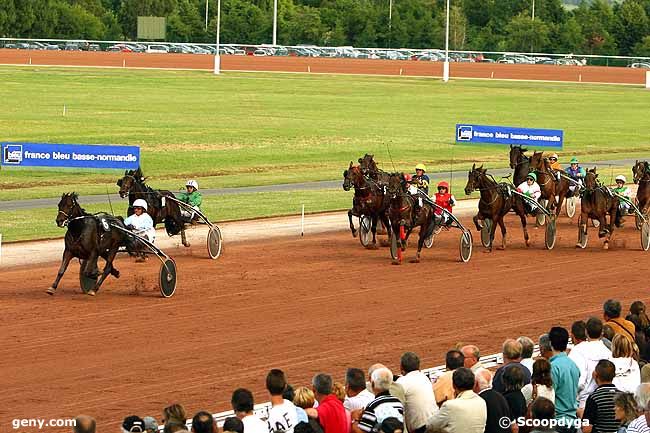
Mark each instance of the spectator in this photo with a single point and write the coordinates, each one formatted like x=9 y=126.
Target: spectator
x=204 y=423
x=420 y=402
x=472 y=358
x=599 y=409
x=642 y=397
x=243 y=403
x=304 y=400
x=383 y=406
x=640 y=337
x=84 y=424
x=612 y=315
x=578 y=332
x=545 y=349
x=175 y=418
x=541 y=383
x=392 y=425
x=586 y=356
x=628 y=373
x=527 y=348
x=133 y=424
x=496 y=404
x=289 y=393
x=150 y=424
x=396 y=389
x=443 y=388
x=511 y=357
x=233 y=424
x=466 y=413
x=565 y=375
x=608 y=336
x=542 y=409
x=357 y=396
x=624 y=410
x=330 y=412
x=282 y=416
x=513 y=381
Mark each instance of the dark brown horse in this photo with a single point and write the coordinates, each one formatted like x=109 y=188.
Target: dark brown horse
x=641 y=172
x=369 y=168
x=553 y=191
x=520 y=163
x=160 y=210
x=598 y=202
x=405 y=216
x=494 y=204
x=88 y=238
x=369 y=200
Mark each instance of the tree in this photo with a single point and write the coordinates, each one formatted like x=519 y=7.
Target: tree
x=526 y=34
x=642 y=48
x=8 y=16
x=630 y=25
x=457 y=28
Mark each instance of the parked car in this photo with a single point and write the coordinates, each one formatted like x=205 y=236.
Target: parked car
x=94 y=47
x=22 y=46
x=159 y=49
x=71 y=47
x=640 y=65
x=120 y=48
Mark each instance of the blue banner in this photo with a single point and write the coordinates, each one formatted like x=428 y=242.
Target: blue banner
x=533 y=137
x=69 y=155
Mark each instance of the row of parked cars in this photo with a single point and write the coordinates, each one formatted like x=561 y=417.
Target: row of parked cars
x=431 y=55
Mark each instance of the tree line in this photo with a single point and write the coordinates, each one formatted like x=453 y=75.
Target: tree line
x=599 y=27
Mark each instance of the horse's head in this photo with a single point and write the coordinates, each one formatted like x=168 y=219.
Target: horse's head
x=474 y=178
x=516 y=152
x=68 y=208
x=367 y=164
x=396 y=184
x=537 y=161
x=591 y=179
x=126 y=183
x=353 y=177
x=640 y=169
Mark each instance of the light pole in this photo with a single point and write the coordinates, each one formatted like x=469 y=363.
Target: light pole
x=445 y=66
x=275 y=22
x=217 y=56
x=390 y=22
x=207 y=2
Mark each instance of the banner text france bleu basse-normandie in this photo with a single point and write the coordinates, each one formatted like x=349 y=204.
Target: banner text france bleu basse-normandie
x=534 y=137
x=70 y=155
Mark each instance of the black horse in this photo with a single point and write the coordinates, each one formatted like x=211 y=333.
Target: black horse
x=160 y=210
x=88 y=238
x=520 y=163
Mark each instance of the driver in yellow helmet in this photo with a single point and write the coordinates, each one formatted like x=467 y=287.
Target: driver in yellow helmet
x=420 y=179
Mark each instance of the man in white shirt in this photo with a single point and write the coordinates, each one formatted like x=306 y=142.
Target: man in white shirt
x=466 y=413
x=586 y=356
x=356 y=394
x=140 y=222
x=527 y=348
x=242 y=403
x=420 y=402
x=282 y=415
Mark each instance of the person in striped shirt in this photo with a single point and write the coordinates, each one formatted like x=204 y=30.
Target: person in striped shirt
x=599 y=408
x=383 y=406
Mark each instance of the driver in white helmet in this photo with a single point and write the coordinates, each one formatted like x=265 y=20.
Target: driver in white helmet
x=191 y=197
x=625 y=191
x=141 y=223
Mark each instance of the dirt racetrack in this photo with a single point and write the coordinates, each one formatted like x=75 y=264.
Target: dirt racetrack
x=585 y=74
x=321 y=303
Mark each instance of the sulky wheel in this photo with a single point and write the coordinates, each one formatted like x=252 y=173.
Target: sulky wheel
x=364 y=230
x=550 y=234
x=87 y=284
x=167 y=278
x=540 y=219
x=215 y=242
x=485 y=233
x=582 y=234
x=645 y=235
x=466 y=246
x=571 y=206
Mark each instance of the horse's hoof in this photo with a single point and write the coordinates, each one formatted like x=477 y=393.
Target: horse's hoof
x=187 y=244
x=578 y=246
x=487 y=250
x=396 y=262
x=91 y=293
x=502 y=248
x=372 y=247
x=527 y=243
x=116 y=274
x=415 y=260
x=50 y=291
x=354 y=234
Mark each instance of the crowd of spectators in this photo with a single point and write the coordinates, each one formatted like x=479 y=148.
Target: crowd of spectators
x=599 y=385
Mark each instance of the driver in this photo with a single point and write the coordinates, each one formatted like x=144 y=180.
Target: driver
x=445 y=200
x=556 y=168
x=575 y=172
x=141 y=224
x=420 y=179
x=625 y=191
x=191 y=197
x=530 y=188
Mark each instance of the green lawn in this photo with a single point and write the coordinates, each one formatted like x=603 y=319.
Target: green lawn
x=244 y=129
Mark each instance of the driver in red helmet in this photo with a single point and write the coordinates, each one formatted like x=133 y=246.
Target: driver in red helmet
x=445 y=200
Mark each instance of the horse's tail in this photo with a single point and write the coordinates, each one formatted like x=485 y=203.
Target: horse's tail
x=172 y=215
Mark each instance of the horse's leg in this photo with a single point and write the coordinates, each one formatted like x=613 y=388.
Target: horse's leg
x=560 y=200
x=352 y=229
x=108 y=267
x=114 y=271
x=183 y=238
x=92 y=270
x=67 y=256
x=522 y=217
x=374 y=220
x=502 y=224
x=476 y=222
x=425 y=232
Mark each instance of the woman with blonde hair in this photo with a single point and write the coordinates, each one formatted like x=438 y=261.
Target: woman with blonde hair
x=624 y=410
x=174 y=417
x=624 y=356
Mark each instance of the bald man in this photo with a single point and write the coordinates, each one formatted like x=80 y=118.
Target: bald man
x=84 y=424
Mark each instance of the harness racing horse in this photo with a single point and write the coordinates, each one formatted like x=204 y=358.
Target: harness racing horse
x=520 y=163
x=553 y=191
x=88 y=238
x=404 y=217
x=494 y=204
x=641 y=172
x=597 y=202
x=369 y=200
x=369 y=168
x=160 y=210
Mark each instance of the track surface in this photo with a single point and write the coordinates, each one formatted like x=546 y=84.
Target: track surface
x=586 y=74
x=321 y=303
